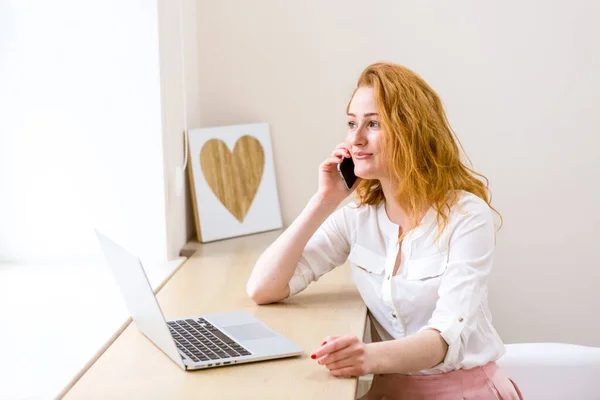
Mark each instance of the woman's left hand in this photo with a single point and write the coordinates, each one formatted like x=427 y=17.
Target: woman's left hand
x=345 y=356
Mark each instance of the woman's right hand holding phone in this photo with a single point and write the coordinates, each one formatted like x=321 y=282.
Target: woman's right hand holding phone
x=331 y=185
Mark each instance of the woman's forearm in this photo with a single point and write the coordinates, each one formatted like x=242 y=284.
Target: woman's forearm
x=269 y=280
x=422 y=350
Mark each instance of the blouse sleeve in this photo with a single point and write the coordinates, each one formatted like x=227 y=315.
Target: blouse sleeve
x=464 y=284
x=327 y=248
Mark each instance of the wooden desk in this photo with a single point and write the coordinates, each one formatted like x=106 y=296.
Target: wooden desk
x=213 y=280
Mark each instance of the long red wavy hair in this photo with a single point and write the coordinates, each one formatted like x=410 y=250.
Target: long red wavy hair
x=422 y=151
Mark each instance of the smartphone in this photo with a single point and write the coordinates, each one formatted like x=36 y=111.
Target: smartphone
x=346 y=169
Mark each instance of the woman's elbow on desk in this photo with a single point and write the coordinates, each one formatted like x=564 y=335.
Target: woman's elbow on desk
x=263 y=296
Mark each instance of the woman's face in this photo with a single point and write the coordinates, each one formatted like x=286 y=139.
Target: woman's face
x=365 y=135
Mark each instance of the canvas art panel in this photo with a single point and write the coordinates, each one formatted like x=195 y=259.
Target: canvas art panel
x=232 y=176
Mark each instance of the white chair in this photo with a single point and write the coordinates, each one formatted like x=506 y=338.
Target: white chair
x=548 y=371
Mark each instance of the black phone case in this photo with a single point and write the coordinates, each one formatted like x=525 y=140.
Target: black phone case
x=346 y=169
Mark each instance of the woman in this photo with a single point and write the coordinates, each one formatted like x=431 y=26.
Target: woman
x=420 y=238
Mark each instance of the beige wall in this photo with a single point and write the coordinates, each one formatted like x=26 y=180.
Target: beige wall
x=520 y=84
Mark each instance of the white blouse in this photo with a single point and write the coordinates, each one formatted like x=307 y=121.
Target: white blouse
x=440 y=285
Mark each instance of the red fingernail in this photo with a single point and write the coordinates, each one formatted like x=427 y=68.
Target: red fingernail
x=324 y=343
x=313 y=356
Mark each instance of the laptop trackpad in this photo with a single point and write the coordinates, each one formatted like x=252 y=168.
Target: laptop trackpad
x=252 y=331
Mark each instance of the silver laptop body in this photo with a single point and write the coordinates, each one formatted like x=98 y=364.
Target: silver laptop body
x=206 y=341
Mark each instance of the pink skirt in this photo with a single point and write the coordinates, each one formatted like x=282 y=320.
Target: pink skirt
x=479 y=383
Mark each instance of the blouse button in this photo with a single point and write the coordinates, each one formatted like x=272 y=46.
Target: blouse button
x=387 y=277
x=394 y=315
x=461 y=319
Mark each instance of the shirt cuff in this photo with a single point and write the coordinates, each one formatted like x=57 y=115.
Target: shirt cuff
x=296 y=284
x=450 y=330
x=301 y=279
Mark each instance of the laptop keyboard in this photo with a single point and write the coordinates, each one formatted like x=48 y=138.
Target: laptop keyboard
x=199 y=340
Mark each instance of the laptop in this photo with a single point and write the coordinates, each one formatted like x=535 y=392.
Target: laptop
x=206 y=341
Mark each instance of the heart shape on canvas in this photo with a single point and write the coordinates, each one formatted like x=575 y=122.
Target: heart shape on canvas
x=234 y=177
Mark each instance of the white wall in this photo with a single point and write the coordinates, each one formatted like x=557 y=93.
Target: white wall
x=179 y=99
x=521 y=85
x=80 y=129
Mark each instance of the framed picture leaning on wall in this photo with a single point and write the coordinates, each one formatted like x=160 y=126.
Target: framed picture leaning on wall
x=232 y=180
